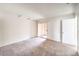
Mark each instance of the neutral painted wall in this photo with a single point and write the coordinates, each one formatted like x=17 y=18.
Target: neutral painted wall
x=0 y=32
x=54 y=30
x=15 y=24
x=77 y=14
x=14 y=29
x=78 y=32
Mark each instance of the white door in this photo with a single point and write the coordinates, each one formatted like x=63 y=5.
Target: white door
x=69 y=31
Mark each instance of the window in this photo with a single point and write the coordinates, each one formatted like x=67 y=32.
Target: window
x=42 y=29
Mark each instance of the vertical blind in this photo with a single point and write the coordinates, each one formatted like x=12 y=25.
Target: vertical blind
x=42 y=29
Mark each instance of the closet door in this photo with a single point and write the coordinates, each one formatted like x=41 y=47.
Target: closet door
x=69 y=31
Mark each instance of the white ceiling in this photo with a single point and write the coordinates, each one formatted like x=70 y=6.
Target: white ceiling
x=52 y=9
x=39 y=10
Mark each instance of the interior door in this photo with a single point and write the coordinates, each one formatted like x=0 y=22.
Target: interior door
x=69 y=31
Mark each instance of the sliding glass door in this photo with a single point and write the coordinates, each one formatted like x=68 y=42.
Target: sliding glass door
x=42 y=29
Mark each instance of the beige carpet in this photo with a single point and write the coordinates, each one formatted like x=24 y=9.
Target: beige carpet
x=37 y=47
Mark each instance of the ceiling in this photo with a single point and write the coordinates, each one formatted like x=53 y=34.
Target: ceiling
x=52 y=9
x=37 y=11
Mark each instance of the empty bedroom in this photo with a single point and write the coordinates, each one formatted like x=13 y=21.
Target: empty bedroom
x=38 y=29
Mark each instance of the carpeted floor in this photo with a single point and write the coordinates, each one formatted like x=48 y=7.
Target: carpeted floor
x=37 y=47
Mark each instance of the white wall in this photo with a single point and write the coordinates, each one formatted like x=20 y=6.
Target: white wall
x=77 y=14
x=0 y=30
x=54 y=31
x=78 y=32
x=14 y=28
